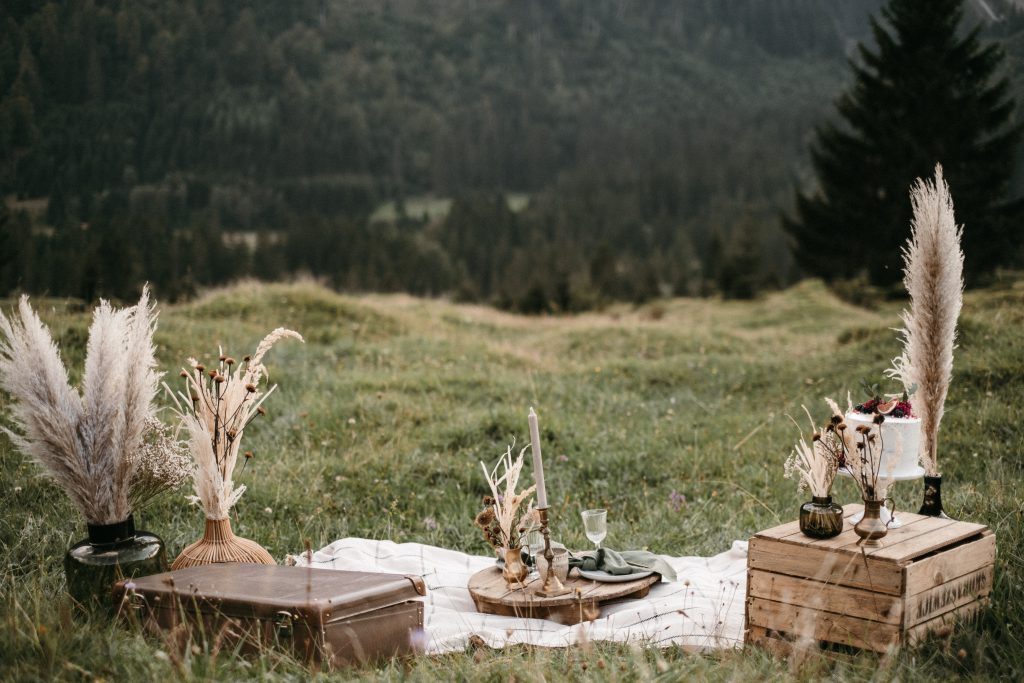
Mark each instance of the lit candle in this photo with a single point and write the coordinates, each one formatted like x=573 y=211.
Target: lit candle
x=538 y=464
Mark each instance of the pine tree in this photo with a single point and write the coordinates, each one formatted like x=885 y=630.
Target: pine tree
x=930 y=93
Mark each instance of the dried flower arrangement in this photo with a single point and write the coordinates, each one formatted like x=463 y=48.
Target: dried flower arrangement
x=497 y=520
x=104 y=446
x=814 y=465
x=933 y=275
x=860 y=450
x=215 y=409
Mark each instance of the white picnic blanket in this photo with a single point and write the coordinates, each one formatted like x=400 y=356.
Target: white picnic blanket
x=702 y=610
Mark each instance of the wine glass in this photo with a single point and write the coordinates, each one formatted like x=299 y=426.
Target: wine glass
x=595 y=523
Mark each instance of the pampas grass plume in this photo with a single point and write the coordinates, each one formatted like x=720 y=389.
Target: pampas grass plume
x=933 y=275
x=88 y=443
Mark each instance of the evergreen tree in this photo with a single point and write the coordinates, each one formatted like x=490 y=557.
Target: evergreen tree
x=930 y=93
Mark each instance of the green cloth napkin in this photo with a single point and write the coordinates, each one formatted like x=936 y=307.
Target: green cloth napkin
x=625 y=562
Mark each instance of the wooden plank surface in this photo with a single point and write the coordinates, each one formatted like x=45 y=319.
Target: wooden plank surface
x=918 y=535
x=948 y=596
x=825 y=565
x=805 y=622
x=926 y=573
x=826 y=597
x=914 y=545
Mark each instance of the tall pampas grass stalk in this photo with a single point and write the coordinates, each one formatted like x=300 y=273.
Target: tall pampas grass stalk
x=93 y=444
x=933 y=275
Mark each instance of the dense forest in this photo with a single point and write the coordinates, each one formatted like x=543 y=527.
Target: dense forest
x=190 y=143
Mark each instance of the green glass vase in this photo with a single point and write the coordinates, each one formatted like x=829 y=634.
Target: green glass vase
x=821 y=518
x=111 y=552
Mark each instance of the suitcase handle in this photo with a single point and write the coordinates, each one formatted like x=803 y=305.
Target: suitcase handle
x=283 y=621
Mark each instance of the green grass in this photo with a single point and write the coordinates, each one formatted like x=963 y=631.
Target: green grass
x=382 y=417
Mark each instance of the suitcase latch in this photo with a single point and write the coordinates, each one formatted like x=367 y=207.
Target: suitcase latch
x=283 y=623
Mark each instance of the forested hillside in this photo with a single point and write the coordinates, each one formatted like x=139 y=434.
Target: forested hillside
x=189 y=143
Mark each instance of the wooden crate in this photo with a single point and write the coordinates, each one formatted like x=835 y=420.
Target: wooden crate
x=928 y=574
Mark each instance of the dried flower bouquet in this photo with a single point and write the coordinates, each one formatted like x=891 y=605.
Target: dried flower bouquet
x=814 y=465
x=498 y=519
x=217 y=405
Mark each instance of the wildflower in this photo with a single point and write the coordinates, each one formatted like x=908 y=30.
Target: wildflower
x=268 y=510
x=261 y=410
x=222 y=358
x=251 y=388
x=219 y=379
x=563 y=458
x=430 y=524
x=248 y=455
x=200 y=367
x=229 y=360
x=183 y=374
x=676 y=500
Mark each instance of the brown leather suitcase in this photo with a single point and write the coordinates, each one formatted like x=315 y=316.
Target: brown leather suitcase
x=338 y=617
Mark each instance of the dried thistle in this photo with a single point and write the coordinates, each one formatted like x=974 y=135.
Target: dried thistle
x=215 y=413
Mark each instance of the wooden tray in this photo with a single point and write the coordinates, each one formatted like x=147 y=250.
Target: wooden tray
x=493 y=596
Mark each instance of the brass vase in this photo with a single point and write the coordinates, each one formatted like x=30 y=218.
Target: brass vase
x=932 y=505
x=219 y=544
x=871 y=528
x=821 y=518
x=514 y=571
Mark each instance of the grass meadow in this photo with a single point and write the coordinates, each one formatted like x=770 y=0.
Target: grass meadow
x=381 y=418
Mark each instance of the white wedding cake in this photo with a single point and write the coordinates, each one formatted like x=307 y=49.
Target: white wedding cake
x=901 y=437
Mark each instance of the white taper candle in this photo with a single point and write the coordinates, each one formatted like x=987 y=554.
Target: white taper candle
x=538 y=464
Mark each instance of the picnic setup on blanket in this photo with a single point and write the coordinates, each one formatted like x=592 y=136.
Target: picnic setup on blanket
x=861 y=575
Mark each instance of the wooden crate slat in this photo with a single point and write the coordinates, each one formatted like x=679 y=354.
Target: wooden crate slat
x=805 y=622
x=894 y=544
x=932 y=571
x=948 y=596
x=943 y=625
x=920 y=544
x=782 y=531
x=822 y=565
x=826 y=597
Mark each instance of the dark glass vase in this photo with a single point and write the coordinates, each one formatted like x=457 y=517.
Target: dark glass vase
x=111 y=552
x=821 y=518
x=932 y=505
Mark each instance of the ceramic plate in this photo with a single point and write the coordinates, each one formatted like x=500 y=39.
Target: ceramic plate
x=613 y=578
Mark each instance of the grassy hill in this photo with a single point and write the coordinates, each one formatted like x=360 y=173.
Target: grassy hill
x=381 y=418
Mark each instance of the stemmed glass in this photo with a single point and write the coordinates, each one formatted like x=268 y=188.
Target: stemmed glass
x=595 y=523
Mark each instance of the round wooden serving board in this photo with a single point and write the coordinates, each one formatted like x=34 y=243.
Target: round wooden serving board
x=493 y=596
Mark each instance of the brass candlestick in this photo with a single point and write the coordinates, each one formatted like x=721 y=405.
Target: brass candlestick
x=552 y=587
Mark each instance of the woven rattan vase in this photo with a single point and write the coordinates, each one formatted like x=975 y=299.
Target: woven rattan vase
x=219 y=544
